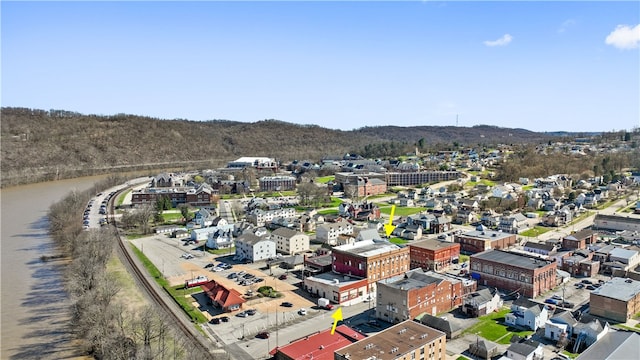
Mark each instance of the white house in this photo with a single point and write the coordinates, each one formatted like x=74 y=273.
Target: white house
x=525 y=350
x=526 y=313
x=260 y=217
x=560 y=325
x=221 y=238
x=202 y=234
x=328 y=232
x=254 y=248
x=481 y=302
x=630 y=258
x=289 y=241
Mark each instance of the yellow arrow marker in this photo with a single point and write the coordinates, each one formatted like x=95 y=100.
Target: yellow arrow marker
x=388 y=228
x=337 y=316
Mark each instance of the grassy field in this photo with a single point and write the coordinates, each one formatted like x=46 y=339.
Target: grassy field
x=328 y=212
x=398 y=241
x=325 y=179
x=491 y=328
x=471 y=184
x=401 y=211
x=535 y=231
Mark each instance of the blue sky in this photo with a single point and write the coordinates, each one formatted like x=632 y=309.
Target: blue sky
x=543 y=66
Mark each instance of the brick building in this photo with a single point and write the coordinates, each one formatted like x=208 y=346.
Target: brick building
x=433 y=254
x=277 y=183
x=579 y=240
x=514 y=272
x=373 y=260
x=319 y=345
x=200 y=196
x=617 y=299
x=479 y=240
x=416 y=293
x=419 y=177
x=406 y=340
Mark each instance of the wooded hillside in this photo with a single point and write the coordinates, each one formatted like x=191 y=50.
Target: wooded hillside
x=39 y=145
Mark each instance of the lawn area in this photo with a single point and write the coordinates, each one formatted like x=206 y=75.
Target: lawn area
x=325 y=179
x=328 y=212
x=463 y=258
x=535 y=231
x=172 y=216
x=401 y=211
x=227 y=251
x=121 y=198
x=491 y=328
x=471 y=184
x=398 y=241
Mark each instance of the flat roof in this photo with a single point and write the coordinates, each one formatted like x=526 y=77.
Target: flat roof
x=505 y=257
x=619 y=289
x=393 y=342
x=433 y=244
x=486 y=235
x=329 y=278
x=367 y=248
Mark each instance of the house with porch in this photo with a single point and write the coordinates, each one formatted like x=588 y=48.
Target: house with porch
x=526 y=313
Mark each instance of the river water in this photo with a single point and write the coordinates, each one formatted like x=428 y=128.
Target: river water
x=34 y=322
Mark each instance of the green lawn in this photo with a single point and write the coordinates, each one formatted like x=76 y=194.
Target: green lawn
x=491 y=328
x=535 y=231
x=325 y=179
x=398 y=241
x=463 y=258
x=471 y=184
x=230 y=250
x=171 y=216
x=401 y=211
x=328 y=212
x=121 y=197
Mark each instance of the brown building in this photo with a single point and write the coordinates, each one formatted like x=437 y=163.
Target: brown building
x=617 y=299
x=203 y=195
x=406 y=340
x=479 y=240
x=416 y=293
x=374 y=260
x=433 y=254
x=513 y=272
x=579 y=240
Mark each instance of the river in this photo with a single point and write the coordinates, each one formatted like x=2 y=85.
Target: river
x=34 y=322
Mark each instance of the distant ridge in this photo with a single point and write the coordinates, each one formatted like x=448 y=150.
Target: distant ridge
x=39 y=144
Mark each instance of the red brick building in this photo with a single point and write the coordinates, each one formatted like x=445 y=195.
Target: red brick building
x=201 y=196
x=479 y=240
x=514 y=272
x=319 y=345
x=433 y=254
x=373 y=260
x=418 y=292
x=579 y=240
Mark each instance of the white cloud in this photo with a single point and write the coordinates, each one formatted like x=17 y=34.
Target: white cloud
x=503 y=41
x=566 y=25
x=624 y=37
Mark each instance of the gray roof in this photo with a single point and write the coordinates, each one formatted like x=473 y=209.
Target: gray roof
x=582 y=234
x=250 y=238
x=487 y=235
x=619 y=289
x=285 y=233
x=564 y=317
x=623 y=253
x=432 y=244
x=524 y=348
x=480 y=296
x=541 y=246
x=512 y=259
x=614 y=345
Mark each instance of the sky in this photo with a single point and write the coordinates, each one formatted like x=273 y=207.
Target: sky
x=537 y=65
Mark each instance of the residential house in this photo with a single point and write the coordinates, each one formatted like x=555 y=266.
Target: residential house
x=221 y=238
x=490 y=219
x=483 y=349
x=254 y=248
x=203 y=217
x=514 y=272
x=560 y=327
x=481 y=302
x=415 y=293
x=328 y=233
x=406 y=340
x=614 y=345
x=433 y=254
x=586 y=332
x=167 y=180
x=290 y=241
x=525 y=350
x=226 y=299
x=552 y=205
x=617 y=299
x=557 y=218
x=526 y=313
x=466 y=216
x=513 y=224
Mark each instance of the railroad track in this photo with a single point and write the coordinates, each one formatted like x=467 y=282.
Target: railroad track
x=200 y=344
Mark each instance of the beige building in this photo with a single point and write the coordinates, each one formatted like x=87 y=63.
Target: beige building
x=406 y=340
x=289 y=241
x=617 y=299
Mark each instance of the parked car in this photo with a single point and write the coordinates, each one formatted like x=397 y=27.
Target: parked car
x=591 y=287
x=251 y=312
x=579 y=285
x=287 y=304
x=242 y=314
x=215 y=321
x=257 y=280
x=232 y=276
x=224 y=318
x=302 y=311
x=283 y=277
x=263 y=335
x=587 y=282
x=557 y=297
x=208 y=265
x=551 y=301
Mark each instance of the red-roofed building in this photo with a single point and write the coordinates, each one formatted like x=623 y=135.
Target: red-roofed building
x=220 y=296
x=319 y=345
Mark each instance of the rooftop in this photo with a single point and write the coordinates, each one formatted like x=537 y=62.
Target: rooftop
x=368 y=248
x=320 y=345
x=504 y=257
x=330 y=278
x=486 y=235
x=614 y=345
x=619 y=289
x=393 y=342
x=432 y=244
